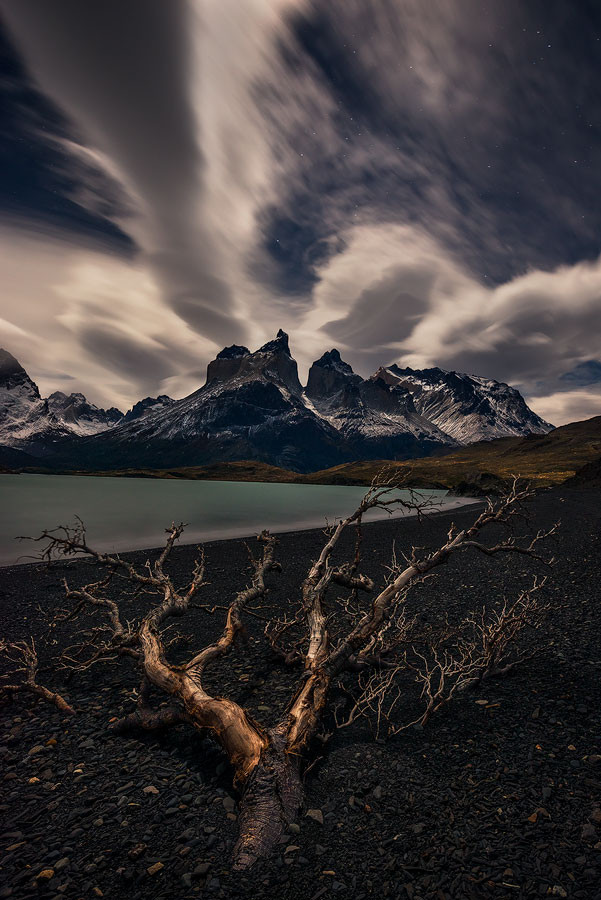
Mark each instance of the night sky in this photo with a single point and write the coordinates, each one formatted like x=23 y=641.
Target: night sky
x=413 y=181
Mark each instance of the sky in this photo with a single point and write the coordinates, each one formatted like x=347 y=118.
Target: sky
x=408 y=181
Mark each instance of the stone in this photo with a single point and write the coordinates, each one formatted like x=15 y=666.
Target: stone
x=588 y=833
x=45 y=875
x=137 y=851
x=150 y=789
x=156 y=867
x=316 y=815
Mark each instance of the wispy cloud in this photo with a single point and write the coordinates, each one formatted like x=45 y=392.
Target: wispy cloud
x=392 y=177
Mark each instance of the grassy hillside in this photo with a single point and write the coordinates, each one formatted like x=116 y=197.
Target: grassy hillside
x=543 y=459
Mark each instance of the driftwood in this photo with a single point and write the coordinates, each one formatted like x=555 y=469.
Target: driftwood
x=369 y=637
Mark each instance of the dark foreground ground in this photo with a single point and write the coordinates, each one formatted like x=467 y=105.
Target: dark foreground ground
x=490 y=800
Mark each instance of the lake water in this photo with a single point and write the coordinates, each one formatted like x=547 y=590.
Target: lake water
x=132 y=513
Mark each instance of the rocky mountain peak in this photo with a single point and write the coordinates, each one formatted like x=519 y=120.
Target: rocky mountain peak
x=148 y=405
x=279 y=345
x=235 y=351
x=329 y=375
x=272 y=361
x=14 y=376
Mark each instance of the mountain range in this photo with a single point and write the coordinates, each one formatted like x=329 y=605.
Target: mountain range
x=253 y=407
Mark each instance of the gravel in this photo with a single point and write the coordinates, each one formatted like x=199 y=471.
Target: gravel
x=490 y=800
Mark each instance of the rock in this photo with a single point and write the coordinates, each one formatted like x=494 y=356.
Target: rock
x=377 y=792
x=137 y=851
x=156 y=867
x=202 y=868
x=150 y=789
x=35 y=750
x=186 y=880
x=595 y=816
x=315 y=814
x=558 y=891
x=588 y=833
x=62 y=864
x=229 y=804
x=45 y=875
x=293 y=828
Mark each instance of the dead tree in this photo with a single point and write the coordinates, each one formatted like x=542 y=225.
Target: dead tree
x=24 y=658
x=269 y=762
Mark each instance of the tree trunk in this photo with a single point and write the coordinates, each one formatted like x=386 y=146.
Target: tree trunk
x=271 y=799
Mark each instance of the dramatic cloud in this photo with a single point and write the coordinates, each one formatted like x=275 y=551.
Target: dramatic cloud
x=77 y=312
x=407 y=180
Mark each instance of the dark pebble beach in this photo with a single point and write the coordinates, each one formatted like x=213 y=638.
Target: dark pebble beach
x=498 y=796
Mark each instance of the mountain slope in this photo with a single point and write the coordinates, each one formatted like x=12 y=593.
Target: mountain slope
x=80 y=416
x=376 y=418
x=147 y=405
x=34 y=424
x=466 y=407
x=23 y=412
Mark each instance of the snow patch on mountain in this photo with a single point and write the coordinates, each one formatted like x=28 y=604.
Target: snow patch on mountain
x=469 y=408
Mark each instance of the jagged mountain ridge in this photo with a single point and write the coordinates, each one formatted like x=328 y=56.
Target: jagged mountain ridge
x=467 y=407
x=80 y=416
x=368 y=412
x=31 y=422
x=254 y=407
x=147 y=405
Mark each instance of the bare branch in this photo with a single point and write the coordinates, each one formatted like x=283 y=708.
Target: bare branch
x=25 y=653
